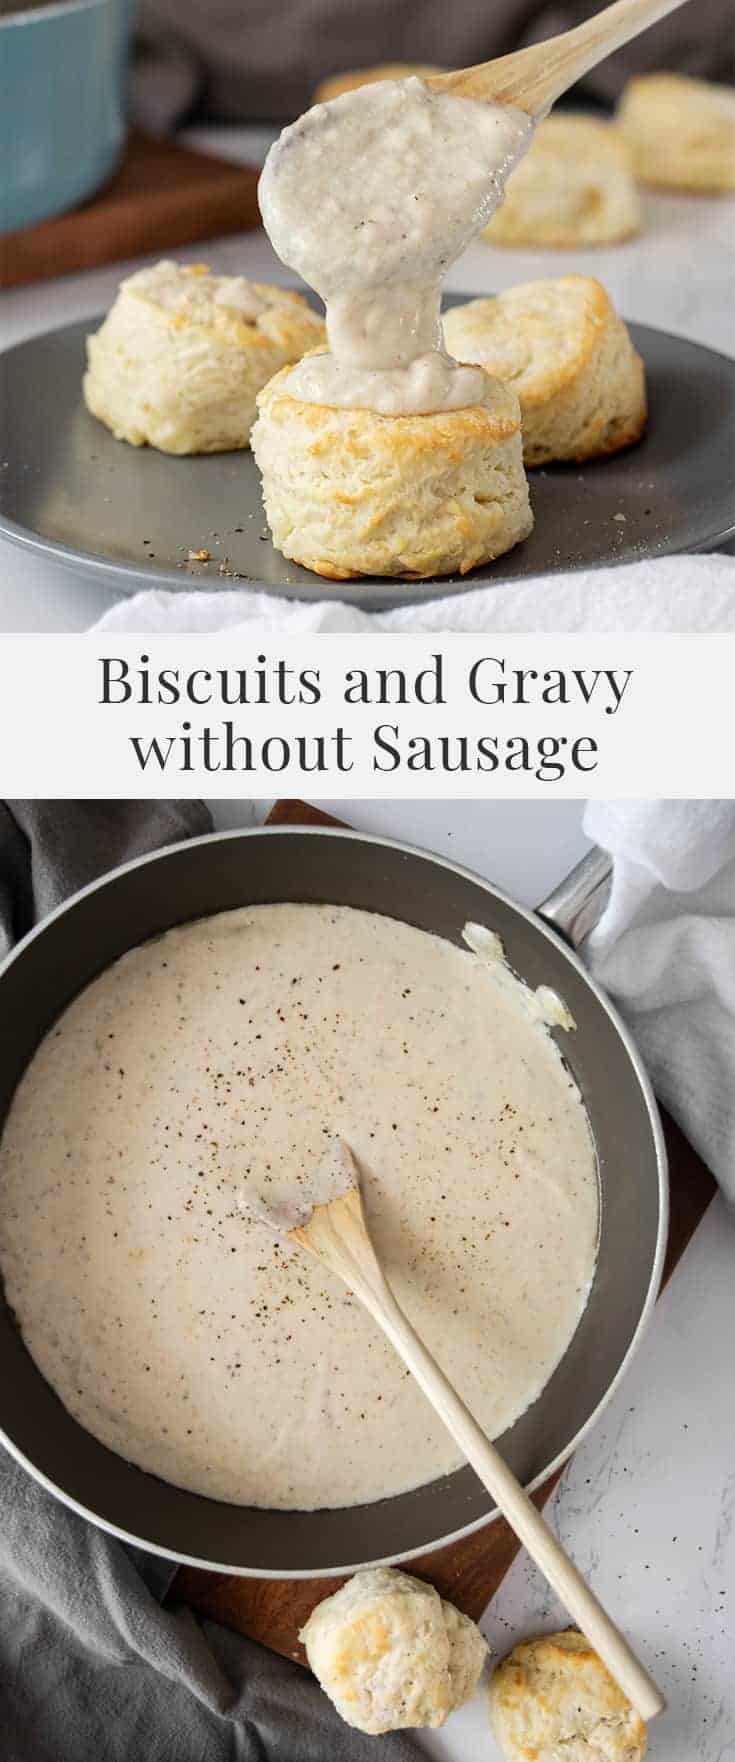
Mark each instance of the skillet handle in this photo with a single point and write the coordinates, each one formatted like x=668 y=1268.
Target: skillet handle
x=577 y=904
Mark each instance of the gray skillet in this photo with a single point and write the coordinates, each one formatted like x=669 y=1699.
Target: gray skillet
x=213 y=874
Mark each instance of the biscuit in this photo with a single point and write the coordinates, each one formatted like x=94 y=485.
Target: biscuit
x=391 y=1654
x=575 y=186
x=338 y=83
x=553 y=1697
x=680 y=132
x=182 y=354
x=567 y=354
x=350 y=492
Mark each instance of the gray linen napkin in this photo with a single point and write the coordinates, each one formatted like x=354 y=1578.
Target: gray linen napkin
x=92 y=1667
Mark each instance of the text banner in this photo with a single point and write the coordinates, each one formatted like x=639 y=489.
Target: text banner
x=370 y=715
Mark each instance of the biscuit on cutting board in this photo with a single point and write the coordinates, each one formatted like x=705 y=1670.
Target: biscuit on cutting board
x=553 y=1700
x=574 y=186
x=680 y=132
x=182 y=354
x=351 y=492
x=561 y=345
x=391 y=1654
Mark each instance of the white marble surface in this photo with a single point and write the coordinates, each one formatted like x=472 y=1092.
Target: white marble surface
x=678 y=275
x=647 y=1506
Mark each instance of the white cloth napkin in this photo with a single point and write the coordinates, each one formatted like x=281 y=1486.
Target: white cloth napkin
x=665 y=951
x=665 y=948
x=665 y=593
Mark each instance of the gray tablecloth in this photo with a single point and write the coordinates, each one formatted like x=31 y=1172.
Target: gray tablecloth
x=93 y=1666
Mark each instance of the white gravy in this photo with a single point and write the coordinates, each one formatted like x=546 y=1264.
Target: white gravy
x=370 y=198
x=219 y=1061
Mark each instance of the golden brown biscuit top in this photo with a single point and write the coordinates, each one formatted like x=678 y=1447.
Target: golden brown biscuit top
x=535 y=335
x=189 y=294
x=553 y=1692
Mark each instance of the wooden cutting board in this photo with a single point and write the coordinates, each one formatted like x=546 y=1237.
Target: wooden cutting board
x=467 y=1572
x=161 y=196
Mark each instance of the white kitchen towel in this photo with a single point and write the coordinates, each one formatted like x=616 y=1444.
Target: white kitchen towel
x=663 y=593
x=665 y=951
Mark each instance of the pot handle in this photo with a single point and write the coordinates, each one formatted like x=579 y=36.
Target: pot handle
x=577 y=904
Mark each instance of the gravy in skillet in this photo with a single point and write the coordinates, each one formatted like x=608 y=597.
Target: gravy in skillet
x=219 y=1060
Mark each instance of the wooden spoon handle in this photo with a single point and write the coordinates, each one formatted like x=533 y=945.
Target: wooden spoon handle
x=535 y=77
x=511 y=1499
x=336 y=1234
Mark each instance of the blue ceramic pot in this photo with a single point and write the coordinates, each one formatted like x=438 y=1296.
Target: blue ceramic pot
x=62 y=104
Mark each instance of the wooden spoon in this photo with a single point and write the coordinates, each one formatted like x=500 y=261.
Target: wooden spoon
x=533 y=78
x=334 y=1231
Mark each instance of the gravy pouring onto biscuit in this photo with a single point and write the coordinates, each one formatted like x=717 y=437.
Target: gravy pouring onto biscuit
x=370 y=198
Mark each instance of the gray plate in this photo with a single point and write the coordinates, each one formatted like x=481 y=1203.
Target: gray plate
x=129 y=516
